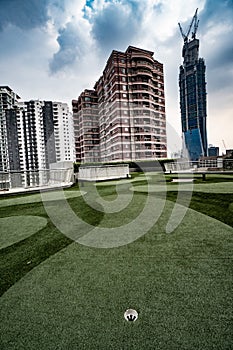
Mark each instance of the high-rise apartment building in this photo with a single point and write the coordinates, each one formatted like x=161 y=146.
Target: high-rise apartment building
x=30 y=118
x=192 y=85
x=9 y=142
x=47 y=136
x=86 y=127
x=33 y=134
x=131 y=109
x=63 y=132
x=47 y=133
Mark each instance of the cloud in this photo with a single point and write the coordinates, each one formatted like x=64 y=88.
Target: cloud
x=216 y=11
x=72 y=31
x=216 y=43
x=95 y=26
x=74 y=43
x=215 y=33
x=26 y=14
x=115 y=26
x=60 y=47
x=70 y=47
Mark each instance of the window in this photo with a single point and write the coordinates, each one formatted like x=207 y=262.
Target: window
x=124 y=95
x=124 y=87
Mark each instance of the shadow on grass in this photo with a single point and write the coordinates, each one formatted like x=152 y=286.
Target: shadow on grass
x=20 y=258
x=215 y=205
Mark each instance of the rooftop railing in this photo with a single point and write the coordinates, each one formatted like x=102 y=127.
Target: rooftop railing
x=31 y=179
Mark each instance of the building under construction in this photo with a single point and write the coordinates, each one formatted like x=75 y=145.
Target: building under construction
x=193 y=95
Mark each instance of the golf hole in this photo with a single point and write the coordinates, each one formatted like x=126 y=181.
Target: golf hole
x=131 y=315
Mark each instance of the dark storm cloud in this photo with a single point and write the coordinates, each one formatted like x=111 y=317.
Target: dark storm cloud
x=116 y=25
x=217 y=10
x=25 y=14
x=70 y=48
x=217 y=18
x=222 y=54
x=217 y=15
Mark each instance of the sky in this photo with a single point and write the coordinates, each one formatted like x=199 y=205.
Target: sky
x=54 y=49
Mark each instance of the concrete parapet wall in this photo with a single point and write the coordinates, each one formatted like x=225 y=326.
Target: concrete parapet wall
x=100 y=173
x=61 y=172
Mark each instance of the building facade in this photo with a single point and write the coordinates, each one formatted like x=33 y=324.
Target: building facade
x=34 y=134
x=213 y=151
x=9 y=142
x=63 y=132
x=128 y=105
x=47 y=133
x=192 y=86
x=86 y=127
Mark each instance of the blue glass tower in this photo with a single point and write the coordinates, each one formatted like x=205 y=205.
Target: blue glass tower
x=192 y=86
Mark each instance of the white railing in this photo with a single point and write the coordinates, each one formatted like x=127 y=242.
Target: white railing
x=35 y=178
x=210 y=165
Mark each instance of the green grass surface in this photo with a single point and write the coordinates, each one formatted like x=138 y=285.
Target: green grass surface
x=57 y=294
x=220 y=187
x=17 y=228
x=35 y=198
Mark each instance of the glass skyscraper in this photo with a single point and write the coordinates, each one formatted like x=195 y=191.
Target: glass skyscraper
x=193 y=100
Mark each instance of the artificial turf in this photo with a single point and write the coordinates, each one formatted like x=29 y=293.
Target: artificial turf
x=70 y=296
x=17 y=228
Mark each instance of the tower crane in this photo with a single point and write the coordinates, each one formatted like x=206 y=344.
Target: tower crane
x=194 y=24
x=224 y=145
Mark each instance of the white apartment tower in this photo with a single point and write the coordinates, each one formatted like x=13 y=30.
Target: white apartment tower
x=63 y=132
x=9 y=141
x=48 y=133
x=33 y=134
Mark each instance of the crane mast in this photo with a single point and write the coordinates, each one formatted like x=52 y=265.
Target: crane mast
x=194 y=24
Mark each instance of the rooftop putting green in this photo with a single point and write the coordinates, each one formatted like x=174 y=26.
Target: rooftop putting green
x=74 y=297
x=180 y=284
